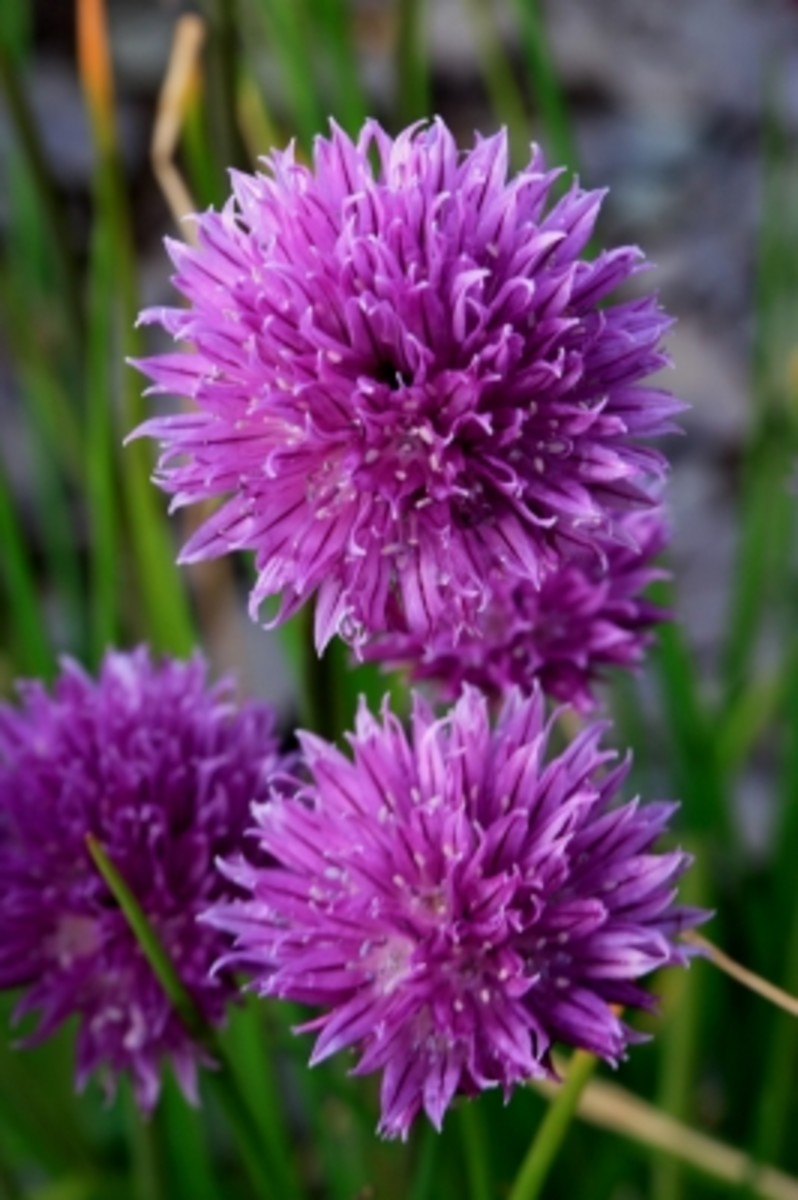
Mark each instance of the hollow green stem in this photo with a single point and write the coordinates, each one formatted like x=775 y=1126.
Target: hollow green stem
x=264 y=1177
x=475 y=1150
x=424 y=1174
x=223 y=21
x=551 y=1134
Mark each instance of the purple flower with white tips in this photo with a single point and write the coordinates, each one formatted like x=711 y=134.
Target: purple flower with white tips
x=404 y=379
x=455 y=904
x=161 y=768
x=588 y=614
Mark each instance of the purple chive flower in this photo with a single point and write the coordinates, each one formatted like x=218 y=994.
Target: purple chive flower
x=589 y=613
x=455 y=905
x=404 y=379
x=161 y=768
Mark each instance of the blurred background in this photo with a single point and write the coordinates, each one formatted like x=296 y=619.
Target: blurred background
x=688 y=113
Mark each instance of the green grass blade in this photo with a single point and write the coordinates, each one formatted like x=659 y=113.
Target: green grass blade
x=48 y=402
x=765 y=524
x=335 y=21
x=54 y=223
x=475 y=1151
x=147 y=1178
x=31 y=647
x=222 y=77
x=208 y=183
x=187 y=1152
x=556 y=126
x=9 y=1190
x=767 y=510
x=101 y=441
x=287 y=29
x=44 y=1122
x=775 y=1115
x=167 y=616
x=252 y=1055
x=696 y=773
x=424 y=1182
x=16 y=28
x=412 y=69
x=750 y=715
x=505 y=96
x=679 y=1042
x=62 y=555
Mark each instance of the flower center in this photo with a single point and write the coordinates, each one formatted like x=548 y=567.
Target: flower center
x=390 y=962
x=389 y=374
x=75 y=937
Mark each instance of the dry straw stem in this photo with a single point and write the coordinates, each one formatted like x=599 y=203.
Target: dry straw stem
x=611 y=1107
x=179 y=88
x=94 y=64
x=755 y=983
x=214 y=586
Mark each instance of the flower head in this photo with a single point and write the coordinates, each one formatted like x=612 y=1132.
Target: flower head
x=161 y=768
x=589 y=613
x=404 y=378
x=455 y=904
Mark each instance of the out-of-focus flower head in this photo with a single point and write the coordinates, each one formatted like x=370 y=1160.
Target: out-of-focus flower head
x=161 y=768
x=588 y=614
x=455 y=904
x=404 y=378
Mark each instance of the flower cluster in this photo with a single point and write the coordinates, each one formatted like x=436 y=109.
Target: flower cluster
x=405 y=380
x=418 y=404
x=589 y=613
x=455 y=903
x=161 y=769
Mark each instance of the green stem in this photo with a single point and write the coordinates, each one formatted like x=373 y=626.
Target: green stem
x=187 y=1151
x=253 y=1056
x=475 y=1150
x=30 y=144
x=52 y=405
x=241 y=1120
x=505 y=96
x=679 y=1043
x=412 y=78
x=101 y=446
x=693 y=733
x=16 y=571
x=223 y=83
x=168 y=619
x=152 y=947
x=336 y=16
x=548 y=93
x=543 y=1151
x=777 y=1092
x=286 y=28
x=424 y=1170
x=147 y=1175
x=9 y=1188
